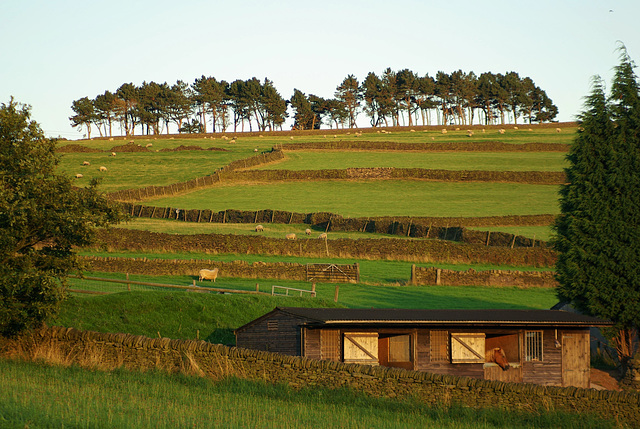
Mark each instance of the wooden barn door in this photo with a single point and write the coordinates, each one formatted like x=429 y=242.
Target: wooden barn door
x=330 y=344
x=361 y=347
x=575 y=359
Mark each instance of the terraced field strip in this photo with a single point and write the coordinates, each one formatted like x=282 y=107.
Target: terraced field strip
x=490 y=161
x=377 y=198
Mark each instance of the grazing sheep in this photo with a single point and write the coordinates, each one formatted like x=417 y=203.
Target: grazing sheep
x=113 y=154
x=515 y=128
x=501 y=131
x=79 y=176
x=259 y=228
x=291 y=236
x=232 y=141
x=255 y=150
x=323 y=236
x=558 y=130
x=208 y=274
x=457 y=128
x=307 y=231
x=469 y=133
x=151 y=144
x=86 y=163
x=103 y=168
x=444 y=131
x=413 y=131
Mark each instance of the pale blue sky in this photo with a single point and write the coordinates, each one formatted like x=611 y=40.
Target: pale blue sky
x=53 y=52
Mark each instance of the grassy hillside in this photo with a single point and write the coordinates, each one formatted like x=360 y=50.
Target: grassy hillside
x=179 y=315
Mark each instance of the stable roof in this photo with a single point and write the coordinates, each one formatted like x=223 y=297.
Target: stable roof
x=420 y=317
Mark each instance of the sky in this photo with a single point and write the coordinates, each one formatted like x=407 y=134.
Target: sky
x=53 y=52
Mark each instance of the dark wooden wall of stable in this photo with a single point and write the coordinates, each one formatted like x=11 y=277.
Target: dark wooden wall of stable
x=279 y=333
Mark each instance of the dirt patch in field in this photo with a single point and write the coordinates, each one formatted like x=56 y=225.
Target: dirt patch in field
x=193 y=147
x=76 y=148
x=129 y=147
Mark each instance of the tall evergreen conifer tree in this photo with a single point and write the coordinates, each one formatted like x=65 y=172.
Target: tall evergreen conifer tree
x=598 y=231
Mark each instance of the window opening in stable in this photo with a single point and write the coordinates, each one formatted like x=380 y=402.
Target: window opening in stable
x=439 y=346
x=400 y=348
x=508 y=343
x=533 y=346
x=272 y=325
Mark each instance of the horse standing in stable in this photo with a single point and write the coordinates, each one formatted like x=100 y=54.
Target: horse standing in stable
x=498 y=356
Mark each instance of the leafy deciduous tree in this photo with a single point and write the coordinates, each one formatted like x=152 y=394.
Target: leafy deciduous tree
x=42 y=217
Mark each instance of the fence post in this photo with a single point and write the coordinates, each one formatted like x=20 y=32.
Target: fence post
x=313 y=290
x=335 y=296
x=128 y=284
x=257 y=287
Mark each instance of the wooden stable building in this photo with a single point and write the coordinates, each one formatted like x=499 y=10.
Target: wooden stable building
x=546 y=347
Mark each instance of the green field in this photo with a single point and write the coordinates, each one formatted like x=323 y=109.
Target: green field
x=279 y=230
x=138 y=170
x=375 y=198
x=490 y=161
x=38 y=396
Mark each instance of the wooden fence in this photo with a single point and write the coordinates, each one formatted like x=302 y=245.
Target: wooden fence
x=96 y=284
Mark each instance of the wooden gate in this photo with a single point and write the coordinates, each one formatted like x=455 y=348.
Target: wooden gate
x=345 y=273
x=361 y=347
x=575 y=359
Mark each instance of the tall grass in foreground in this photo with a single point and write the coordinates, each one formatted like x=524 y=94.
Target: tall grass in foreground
x=37 y=395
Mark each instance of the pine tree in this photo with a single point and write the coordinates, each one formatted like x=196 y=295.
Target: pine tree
x=598 y=231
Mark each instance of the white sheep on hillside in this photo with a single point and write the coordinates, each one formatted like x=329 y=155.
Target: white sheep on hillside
x=79 y=176
x=323 y=236
x=307 y=231
x=259 y=228
x=291 y=236
x=103 y=168
x=86 y=163
x=208 y=275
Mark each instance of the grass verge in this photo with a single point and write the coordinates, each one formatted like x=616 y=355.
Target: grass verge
x=38 y=395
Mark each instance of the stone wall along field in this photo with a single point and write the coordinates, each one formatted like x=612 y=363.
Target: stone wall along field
x=430 y=251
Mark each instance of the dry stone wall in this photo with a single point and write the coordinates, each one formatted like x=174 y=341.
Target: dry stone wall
x=495 y=278
x=217 y=361
x=191 y=267
x=430 y=251
x=420 y=227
